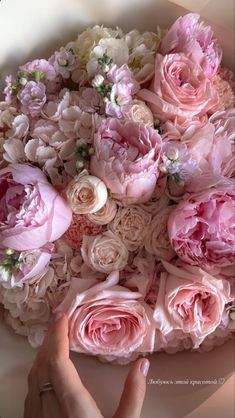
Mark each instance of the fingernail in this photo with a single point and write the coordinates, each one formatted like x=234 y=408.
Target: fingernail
x=56 y=316
x=144 y=366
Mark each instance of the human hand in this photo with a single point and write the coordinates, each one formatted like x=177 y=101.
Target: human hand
x=69 y=398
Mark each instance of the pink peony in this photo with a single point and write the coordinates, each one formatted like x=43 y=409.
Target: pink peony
x=107 y=319
x=179 y=89
x=32 y=98
x=196 y=40
x=191 y=300
x=126 y=159
x=201 y=228
x=32 y=212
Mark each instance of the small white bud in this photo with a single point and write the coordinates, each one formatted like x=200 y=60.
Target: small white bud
x=97 y=81
x=172 y=154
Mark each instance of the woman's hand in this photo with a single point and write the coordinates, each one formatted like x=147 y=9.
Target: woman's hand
x=69 y=398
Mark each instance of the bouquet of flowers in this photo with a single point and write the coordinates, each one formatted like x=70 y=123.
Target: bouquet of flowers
x=116 y=196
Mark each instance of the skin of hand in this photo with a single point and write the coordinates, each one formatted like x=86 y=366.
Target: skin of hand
x=70 y=398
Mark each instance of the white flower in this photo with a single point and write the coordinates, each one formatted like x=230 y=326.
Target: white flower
x=14 y=151
x=104 y=252
x=115 y=49
x=131 y=226
x=19 y=127
x=86 y=194
x=142 y=49
x=88 y=39
x=97 y=81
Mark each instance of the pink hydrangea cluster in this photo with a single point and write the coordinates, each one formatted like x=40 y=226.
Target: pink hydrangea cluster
x=117 y=192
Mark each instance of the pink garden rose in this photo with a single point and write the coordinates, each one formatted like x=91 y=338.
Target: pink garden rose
x=126 y=159
x=196 y=40
x=107 y=319
x=191 y=300
x=32 y=212
x=201 y=228
x=179 y=89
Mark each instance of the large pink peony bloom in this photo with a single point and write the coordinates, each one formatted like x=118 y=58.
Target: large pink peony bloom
x=107 y=319
x=202 y=227
x=196 y=40
x=179 y=89
x=126 y=159
x=191 y=300
x=32 y=212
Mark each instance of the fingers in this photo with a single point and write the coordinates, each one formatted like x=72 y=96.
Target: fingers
x=133 y=395
x=73 y=397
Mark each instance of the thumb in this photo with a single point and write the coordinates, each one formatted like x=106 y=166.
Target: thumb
x=133 y=395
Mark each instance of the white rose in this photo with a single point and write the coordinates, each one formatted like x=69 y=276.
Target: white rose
x=131 y=225
x=86 y=194
x=138 y=111
x=157 y=241
x=104 y=252
x=105 y=215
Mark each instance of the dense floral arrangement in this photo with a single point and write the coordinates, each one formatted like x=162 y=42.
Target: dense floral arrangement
x=117 y=197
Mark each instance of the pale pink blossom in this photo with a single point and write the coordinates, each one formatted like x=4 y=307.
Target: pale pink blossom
x=105 y=252
x=32 y=98
x=157 y=241
x=179 y=89
x=131 y=226
x=105 y=215
x=107 y=319
x=196 y=40
x=201 y=227
x=86 y=194
x=40 y=66
x=190 y=300
x=64 y=62
x=32 y=212
x=138 y=111
x=126 y=159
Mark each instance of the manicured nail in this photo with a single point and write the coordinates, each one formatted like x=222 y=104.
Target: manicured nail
x=144 y=367
x=56 y=316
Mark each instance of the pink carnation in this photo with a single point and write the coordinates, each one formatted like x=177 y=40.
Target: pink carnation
x=190 y=300
x=196 y=40
x=32 y=212
x=179 y=89
x=107 y=319
x=201 y=228
x=126 y=159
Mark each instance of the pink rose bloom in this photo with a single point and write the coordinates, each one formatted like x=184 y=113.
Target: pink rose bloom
x=196 y=40
x=107 y=319
x=179 y=89
x=126 y=159
x=32 y=212
x=191 y=300
x=201 y=228
x=32 y=98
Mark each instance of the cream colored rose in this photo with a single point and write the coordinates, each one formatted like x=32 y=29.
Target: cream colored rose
x=105 y=215
x=104 y=252
x=131 y=225
x=157 y=240
x=86 y=194
x=138 y=111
